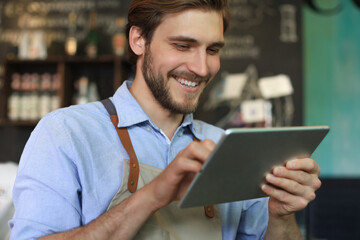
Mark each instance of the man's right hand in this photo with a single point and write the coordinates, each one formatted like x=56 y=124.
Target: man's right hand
x=172 y=183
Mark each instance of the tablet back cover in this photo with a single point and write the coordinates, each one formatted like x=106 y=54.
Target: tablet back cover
x=237 y=167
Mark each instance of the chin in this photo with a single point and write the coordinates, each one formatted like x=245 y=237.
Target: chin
x=187 y=108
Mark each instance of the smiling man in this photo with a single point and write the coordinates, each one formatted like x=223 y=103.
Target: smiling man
x=116 y=169
x=177 y=64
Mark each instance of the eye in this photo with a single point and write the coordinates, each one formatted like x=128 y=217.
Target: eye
x=213 y=51
x=181 y=46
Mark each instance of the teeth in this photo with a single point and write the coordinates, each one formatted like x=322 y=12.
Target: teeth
x=186 y=82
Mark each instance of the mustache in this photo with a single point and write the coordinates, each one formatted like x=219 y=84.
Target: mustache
x=189 y=75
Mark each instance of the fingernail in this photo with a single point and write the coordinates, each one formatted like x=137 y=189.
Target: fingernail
x=291 y=164
x=270 y=177
x=277 y=171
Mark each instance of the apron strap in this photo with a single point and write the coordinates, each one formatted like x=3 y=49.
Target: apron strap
x=134 y=163
x=126 y=142
x=209 y=209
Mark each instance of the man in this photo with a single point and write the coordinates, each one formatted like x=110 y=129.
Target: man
x=75 y=180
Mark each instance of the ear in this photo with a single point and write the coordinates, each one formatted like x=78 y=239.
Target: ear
x=136 y=40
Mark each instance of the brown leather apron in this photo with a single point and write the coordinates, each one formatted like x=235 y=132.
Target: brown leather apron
x=169 y=222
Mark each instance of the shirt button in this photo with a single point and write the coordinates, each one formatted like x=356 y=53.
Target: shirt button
x=148 y=129
x=171 y=149
x=180 y=134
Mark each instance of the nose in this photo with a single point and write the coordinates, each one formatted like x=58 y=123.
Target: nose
x=198 y=63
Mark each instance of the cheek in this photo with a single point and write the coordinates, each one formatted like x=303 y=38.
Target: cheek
x=214 y=65
x=165 y=63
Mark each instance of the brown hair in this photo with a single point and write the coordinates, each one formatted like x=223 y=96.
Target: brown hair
x=148 y=14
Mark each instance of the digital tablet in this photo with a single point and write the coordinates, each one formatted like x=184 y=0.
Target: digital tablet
x=237 y=167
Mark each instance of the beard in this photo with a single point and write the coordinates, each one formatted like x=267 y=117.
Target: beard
x=159 y=89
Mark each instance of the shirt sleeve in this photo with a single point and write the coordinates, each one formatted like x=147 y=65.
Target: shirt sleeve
x=47 y=190
x=254 y=219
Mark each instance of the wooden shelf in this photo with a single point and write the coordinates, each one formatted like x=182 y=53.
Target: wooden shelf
x=8 y=123
x=108 y=70
x=56 y=59
x=100 y=59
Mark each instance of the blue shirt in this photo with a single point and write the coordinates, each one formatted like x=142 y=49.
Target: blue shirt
x=72 y=163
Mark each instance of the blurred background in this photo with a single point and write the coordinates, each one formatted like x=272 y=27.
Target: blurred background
x=285 y=63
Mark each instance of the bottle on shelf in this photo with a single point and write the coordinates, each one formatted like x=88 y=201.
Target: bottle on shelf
x=119 y=38
x=33 y=103
x=81 y=88
x=71 y=41
x=86 y=90
x=32 y=45
x=92 y=38
x=25 y=97
x=14 y=99
x=45 y=94
x=93 y=93
x=55 y=87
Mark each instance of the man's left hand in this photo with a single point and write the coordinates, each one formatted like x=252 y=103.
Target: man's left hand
x=292 y=187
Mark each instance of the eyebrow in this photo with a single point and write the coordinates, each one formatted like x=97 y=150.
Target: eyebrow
x=219 y=44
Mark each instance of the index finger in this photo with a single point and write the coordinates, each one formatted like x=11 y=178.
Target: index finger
x=209 y=144
x=199 y=151
x=304 y=164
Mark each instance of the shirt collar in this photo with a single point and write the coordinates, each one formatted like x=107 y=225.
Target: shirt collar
x=130 y=112
x=197 y=130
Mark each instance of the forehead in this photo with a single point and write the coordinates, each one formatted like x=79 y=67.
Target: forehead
x=203 y=25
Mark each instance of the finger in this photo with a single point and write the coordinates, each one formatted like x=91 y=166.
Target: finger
x=193 y=156
x=197 y=151
x=209 y=144
x=291 y=187
x=180 y=167
x=291 y=202
x=305 y=164
x=299 y=176
x=185 y=165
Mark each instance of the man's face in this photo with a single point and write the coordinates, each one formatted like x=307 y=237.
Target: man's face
x=183 y=57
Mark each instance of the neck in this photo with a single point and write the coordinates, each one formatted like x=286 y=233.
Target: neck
x=166 y=120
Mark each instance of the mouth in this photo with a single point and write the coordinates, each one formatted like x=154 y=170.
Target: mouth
x=186 y=82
